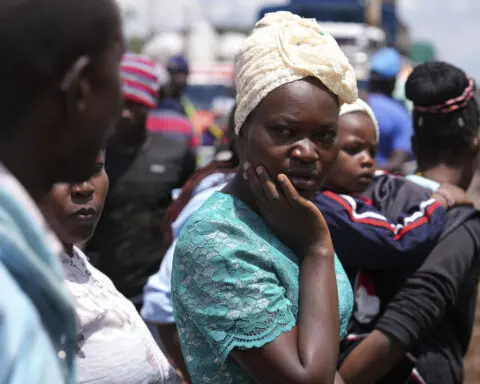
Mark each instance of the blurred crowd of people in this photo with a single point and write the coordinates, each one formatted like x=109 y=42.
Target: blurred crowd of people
x=301 y=253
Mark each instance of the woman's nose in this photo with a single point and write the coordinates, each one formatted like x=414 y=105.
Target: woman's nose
x=84 y=189
x=305 y=151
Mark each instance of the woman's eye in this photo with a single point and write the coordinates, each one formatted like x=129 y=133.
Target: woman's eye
x=326 y=138
x=283 y=131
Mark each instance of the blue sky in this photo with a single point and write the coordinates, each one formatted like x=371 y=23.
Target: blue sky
x=453 y=25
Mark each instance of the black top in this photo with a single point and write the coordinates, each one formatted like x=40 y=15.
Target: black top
x=128 y=241
x=435 y=310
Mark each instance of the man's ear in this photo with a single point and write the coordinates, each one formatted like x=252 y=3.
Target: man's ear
x=75 y=85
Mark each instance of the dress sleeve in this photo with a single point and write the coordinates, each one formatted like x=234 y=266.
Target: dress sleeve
x=225 y=284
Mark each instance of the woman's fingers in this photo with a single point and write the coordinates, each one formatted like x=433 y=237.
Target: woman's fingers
x=267 y=184
x=289 y=190
x=251 y=176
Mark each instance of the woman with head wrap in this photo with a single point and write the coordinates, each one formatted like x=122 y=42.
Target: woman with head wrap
x=258 y=293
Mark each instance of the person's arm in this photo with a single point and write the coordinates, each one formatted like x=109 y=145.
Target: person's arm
x=306 y=354
x=422 y=301
x=366 y=229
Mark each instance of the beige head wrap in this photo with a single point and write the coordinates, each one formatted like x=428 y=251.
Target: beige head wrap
x=284 y=48
x=361 y=106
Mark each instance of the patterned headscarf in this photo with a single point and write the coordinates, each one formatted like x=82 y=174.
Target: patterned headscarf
x=284 y=48
x=361 y=106
x=139 y=79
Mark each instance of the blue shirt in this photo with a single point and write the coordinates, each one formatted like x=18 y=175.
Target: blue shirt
x=37 y=317
x=395 y=126
x=27 y=355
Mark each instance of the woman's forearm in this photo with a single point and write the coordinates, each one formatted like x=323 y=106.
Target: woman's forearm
x=318 y=323
x=371 y=360
x=308 y=353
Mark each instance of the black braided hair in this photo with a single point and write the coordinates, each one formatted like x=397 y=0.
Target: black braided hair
x=441 y=136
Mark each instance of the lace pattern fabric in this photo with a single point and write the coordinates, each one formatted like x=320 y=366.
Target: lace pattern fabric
x=235 y=285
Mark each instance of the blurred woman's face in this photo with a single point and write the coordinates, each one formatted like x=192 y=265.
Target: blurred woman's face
x=293 y=131
x=73 y=210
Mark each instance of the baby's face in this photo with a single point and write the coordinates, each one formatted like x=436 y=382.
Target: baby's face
x=355 y=166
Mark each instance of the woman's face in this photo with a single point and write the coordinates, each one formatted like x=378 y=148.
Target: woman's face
x=73 y=210
x=355 y=166
x=293 y=131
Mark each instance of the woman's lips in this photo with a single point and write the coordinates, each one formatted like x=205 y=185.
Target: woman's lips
x=85 y=214
x=303 y=180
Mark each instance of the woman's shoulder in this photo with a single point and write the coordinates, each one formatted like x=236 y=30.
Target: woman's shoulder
x=463 y=218
x=224 y=223
x=223 y=212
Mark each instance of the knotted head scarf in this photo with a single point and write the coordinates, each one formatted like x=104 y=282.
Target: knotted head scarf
x=284 y=48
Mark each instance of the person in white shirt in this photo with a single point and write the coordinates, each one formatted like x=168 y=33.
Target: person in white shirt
x=113 y=343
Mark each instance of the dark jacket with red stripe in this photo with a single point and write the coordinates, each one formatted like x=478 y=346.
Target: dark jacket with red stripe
x=365 y=239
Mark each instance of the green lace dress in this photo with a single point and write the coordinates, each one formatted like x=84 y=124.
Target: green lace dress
x=235 y=285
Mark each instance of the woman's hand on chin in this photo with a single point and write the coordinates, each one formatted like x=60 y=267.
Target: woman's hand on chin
x=295 y=220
